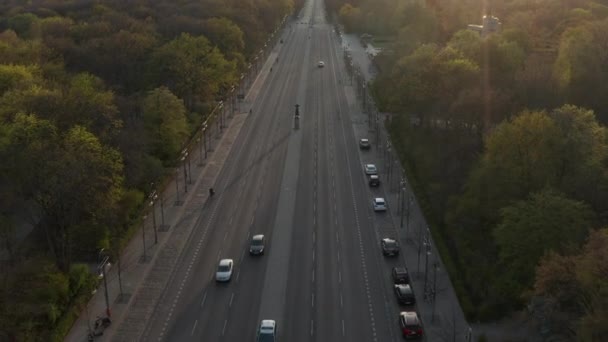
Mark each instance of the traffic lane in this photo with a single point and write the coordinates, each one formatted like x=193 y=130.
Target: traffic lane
x=357 y=320
x=244 y=207
x=298 y=315
x=243 y=318
x=328 y=312
x=269 y=157
x=379 y=300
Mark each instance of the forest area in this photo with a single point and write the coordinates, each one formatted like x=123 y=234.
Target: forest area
x=504 y=137
x=97 y=99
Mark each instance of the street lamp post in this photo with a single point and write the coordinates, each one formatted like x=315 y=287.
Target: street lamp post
x=426 y=267
x=177 y=201
x=105 y=284
x=434 y=293
x=153 y=198
x=403 y=199
x=163 y=226
x=143 y=237
x=183 y=160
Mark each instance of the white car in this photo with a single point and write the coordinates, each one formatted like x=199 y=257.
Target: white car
x=321 y=64
x=379 y=204
x=370 y=169
x=224 y=270
x=267 y=331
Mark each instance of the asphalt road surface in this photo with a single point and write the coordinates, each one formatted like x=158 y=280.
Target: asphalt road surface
x=323 y=277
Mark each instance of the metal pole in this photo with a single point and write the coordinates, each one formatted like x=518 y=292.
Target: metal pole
x=403 y=199
x=419 y=249
x=185 y=174
x=152 y=204
x=189 y=170
x=105 y=287
x=177 y=186
x=143 y=234
x=205 y=140
x=200 y=150
x=435 y=267
x=162 y=210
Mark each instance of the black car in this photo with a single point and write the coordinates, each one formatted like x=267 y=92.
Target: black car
x=400 y=275
x=389 y=247
x=374 y=180
x=404 y=294
x=257 y=245
x=410 y=324
x=364 y=144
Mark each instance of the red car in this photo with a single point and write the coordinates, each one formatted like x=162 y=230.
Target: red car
x=410 y=324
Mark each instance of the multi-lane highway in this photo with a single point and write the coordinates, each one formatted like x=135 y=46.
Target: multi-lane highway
x=323 y=277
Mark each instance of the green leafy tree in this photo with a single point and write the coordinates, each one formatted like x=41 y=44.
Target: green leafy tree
x=192 y=68
x=573 y=290
x=529 y=229
x=164 y=117
x=71 y=178
x=350 y=16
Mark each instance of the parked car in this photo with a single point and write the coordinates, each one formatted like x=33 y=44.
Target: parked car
x=364 y=144
x=389 y=247
x=374 y=180
x=370 y=169
x=404 y=294
x=256 y=247
x=400 y=275
x=224 y=270
x=379 y=204
x=267 y=331
x=410 y=325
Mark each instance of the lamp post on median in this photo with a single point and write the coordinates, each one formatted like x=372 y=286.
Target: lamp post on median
x=434 y=293
x=403 y=199
x=426 y=266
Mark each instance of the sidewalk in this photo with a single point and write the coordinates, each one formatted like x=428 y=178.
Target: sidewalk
x=145 y=275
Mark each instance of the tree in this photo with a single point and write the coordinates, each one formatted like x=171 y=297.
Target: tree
x=71 y=178
x=529 y=229
x=192 y=68
x=574 y=290
x=350 y=16
x=164 y=117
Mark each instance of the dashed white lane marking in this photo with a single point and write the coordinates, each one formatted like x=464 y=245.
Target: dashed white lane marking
x=225 y=236
x=237 y=276
x=242 y=256
x=204 y=299
x=313 y=255
x=313 y=237
x=312 y=300
x=219 y=254
x=231 y=299
x=252 y=218
x=224 y=328
x=339 y=277
x=313 y=275
x=343 y=329
x=193 y=328
x=312 y=327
